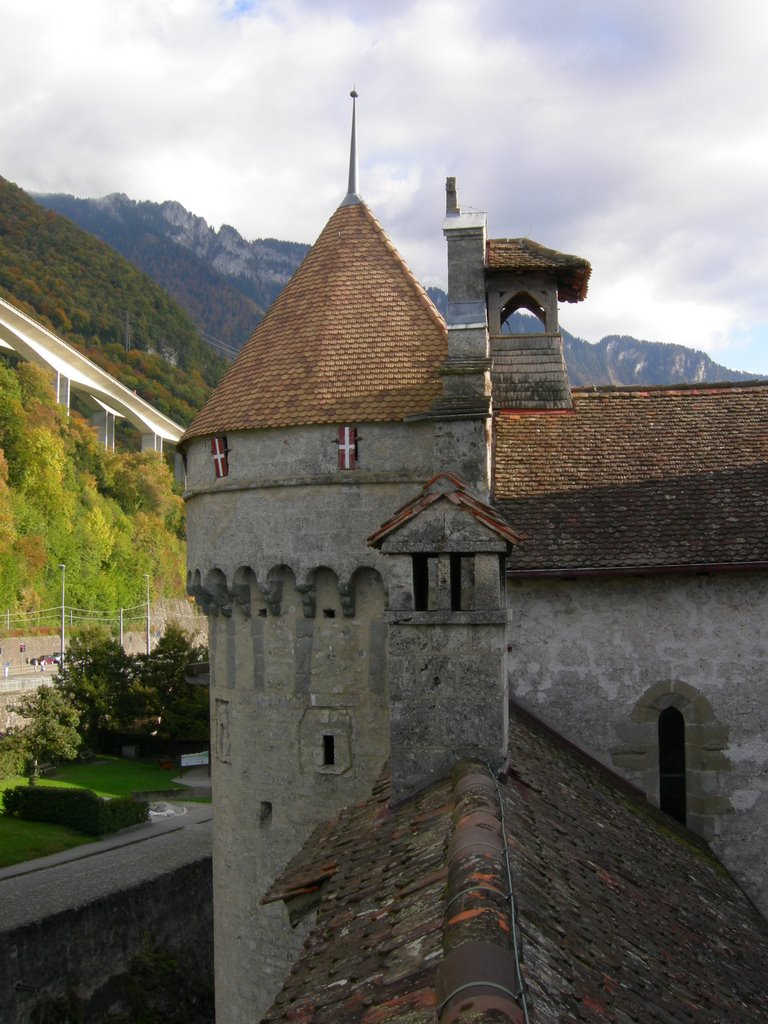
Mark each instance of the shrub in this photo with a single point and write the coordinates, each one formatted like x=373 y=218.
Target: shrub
x=80 y=809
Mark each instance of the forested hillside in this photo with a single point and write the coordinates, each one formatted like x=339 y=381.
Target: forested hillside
x=109 y=517
x=102 y=305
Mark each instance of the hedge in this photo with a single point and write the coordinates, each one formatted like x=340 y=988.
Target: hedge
x=12 y=760
x=80 y=809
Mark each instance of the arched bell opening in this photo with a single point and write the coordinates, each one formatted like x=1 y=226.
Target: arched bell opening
x=522 y=301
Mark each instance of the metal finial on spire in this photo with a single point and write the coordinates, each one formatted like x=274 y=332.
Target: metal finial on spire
x=352 y=196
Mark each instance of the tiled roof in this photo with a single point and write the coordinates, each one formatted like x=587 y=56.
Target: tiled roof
x=521 y=255
x=445 y=487
x=623 y=915
x=352 y=337
x=378 y=937
x=636 y=478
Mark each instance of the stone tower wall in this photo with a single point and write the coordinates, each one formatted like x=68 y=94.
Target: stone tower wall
x=298 y=642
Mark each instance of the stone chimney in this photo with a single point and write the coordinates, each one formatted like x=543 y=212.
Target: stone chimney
x=447 y=633
x=462 y=437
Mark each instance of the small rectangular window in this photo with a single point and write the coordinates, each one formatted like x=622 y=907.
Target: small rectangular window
x=329 y=750
x=329 y=613
x=421 y=583
x=456 y=603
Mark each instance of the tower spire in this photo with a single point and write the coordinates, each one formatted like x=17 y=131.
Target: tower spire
x=352 y=196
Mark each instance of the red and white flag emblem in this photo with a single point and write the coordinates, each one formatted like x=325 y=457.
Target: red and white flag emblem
x=347 y=447
x=220 y=451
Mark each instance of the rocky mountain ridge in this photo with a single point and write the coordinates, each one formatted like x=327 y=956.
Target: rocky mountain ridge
x=226 y=283
x=223 y=281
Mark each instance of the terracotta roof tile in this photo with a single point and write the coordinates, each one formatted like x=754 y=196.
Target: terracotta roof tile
x=623 y=914
x=388 y=908
x=446 y=487
x=672 y=476
x=352 y=337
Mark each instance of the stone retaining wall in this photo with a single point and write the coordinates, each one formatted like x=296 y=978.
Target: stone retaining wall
x=92 y=961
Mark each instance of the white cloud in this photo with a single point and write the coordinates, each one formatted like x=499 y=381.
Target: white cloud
x=632 y=134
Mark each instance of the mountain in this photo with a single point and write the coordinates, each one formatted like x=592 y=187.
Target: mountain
x=101 y=304
x=621 y=359
x=224 y=282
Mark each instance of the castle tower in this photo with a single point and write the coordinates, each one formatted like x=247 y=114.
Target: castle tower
x=319 y=430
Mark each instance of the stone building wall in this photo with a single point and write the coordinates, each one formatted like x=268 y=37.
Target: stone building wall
x=598 y=659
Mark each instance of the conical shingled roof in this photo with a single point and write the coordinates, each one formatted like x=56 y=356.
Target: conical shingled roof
x=352 y=337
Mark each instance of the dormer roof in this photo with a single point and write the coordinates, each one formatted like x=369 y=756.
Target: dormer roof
x=447 y=489
x=521 y=255
x=352 y=337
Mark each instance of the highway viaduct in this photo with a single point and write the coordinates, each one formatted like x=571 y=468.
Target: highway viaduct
x=106 y=398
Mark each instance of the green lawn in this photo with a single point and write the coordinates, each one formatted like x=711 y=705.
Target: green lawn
x=107 y=776
x=25 y=840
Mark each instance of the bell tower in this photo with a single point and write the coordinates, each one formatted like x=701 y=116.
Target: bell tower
x=528 y=369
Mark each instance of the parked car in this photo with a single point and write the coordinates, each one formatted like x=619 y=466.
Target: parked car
x=46 y=659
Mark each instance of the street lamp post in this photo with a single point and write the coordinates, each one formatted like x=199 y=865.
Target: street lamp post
x=146 y=577
x=63 y=577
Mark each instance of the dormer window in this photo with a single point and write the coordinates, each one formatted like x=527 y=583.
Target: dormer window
x=424 y=580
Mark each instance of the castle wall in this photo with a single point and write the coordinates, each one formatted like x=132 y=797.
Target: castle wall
x=448 y=694
x=286 y=501
x=597 y=659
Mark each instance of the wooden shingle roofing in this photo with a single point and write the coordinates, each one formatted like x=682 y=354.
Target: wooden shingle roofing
x=635 y=478
x=521 y=255
x=353 y=337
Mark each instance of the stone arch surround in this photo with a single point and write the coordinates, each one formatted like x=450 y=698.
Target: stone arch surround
x=706 y=743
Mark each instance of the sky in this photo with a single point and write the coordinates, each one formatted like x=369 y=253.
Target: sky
x=633 y=133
